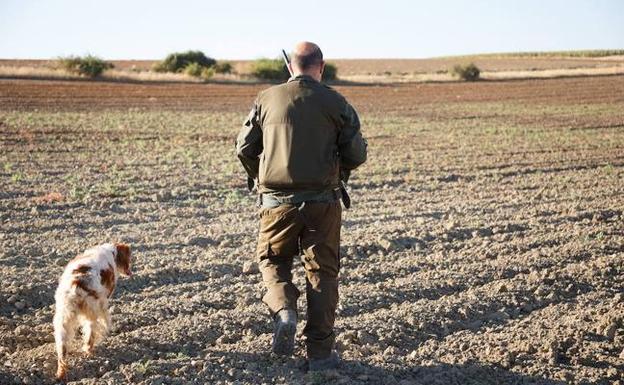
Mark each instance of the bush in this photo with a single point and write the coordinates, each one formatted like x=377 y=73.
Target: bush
x=91 y=66
x=270 y=69
x=330 y=72
x=469 y=72
x=158 y=67
x=198 y=71
x=177 y=62
x=207 y=73
x=275 y=69
x=223 y=68
x=193 y=69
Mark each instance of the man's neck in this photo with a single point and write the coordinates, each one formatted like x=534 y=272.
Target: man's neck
x=298 y=74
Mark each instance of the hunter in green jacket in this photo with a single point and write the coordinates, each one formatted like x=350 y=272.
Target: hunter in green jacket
x=300 y=139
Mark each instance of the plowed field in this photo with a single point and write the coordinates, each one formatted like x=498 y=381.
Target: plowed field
x=485 y=244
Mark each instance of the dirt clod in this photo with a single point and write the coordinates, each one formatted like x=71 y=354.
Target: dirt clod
x=250 y=267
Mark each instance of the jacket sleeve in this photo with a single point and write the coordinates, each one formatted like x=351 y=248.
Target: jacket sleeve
x=351 y=145
x=249 y=143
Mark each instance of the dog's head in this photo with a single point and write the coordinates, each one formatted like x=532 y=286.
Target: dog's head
x=122 y=259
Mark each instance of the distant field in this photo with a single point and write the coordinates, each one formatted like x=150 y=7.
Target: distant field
x=577 y=53
x=493 y=66
x=379 y=66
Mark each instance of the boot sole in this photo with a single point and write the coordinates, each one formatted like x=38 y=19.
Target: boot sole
x=329 y=363
x=284 y=339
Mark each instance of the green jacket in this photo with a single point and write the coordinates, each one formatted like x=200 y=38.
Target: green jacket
x=300 y=136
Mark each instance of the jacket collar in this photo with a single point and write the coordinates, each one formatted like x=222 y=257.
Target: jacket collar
x=302 y=77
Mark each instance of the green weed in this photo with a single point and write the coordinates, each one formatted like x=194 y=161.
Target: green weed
x=608 y=169
x=143 y=367
x=17 y=177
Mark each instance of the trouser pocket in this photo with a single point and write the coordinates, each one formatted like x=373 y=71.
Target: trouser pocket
x=278 y=235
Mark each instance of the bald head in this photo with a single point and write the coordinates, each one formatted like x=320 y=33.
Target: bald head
x=307 y=59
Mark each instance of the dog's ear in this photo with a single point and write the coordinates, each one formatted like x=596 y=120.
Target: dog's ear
x=123 y=257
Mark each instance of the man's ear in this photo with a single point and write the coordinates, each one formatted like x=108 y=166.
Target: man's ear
x=322 y=68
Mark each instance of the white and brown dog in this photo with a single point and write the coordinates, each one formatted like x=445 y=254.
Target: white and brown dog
x=82 y=296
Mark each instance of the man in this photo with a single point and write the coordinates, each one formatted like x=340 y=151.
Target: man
x=298 y=140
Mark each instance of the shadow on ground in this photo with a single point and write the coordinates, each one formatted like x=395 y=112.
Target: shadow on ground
x=255 y=368
x=357 y=372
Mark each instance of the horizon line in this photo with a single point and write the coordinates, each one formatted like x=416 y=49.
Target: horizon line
x=493 y=53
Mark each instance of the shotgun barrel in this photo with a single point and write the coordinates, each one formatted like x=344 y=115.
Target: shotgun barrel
x=286 y=61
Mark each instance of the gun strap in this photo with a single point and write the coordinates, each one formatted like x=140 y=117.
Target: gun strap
x=344 y=195
x=251 y=183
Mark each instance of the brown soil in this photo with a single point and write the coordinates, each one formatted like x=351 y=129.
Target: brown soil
x=396 y=98
x=485 y=244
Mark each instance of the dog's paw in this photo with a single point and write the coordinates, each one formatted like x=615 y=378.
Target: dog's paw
x=61 y=377
x=88 y=350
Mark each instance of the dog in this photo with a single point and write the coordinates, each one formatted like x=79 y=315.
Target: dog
x=84 y=289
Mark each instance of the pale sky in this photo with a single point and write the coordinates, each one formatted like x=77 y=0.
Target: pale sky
x=235 y=29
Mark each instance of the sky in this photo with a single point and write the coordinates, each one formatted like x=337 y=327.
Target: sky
x=234 y=29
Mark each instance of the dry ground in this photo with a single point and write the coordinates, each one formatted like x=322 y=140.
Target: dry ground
x=505 y=66
x=379 y=66
x=485 y=244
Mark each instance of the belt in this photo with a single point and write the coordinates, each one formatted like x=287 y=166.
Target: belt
x=270 y=201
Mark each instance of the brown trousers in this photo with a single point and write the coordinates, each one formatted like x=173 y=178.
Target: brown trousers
x=314 y=229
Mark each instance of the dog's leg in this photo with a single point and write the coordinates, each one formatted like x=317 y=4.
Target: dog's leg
x=105 y=319
x=88 y=336
x=99 y=325
x=64 y=330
